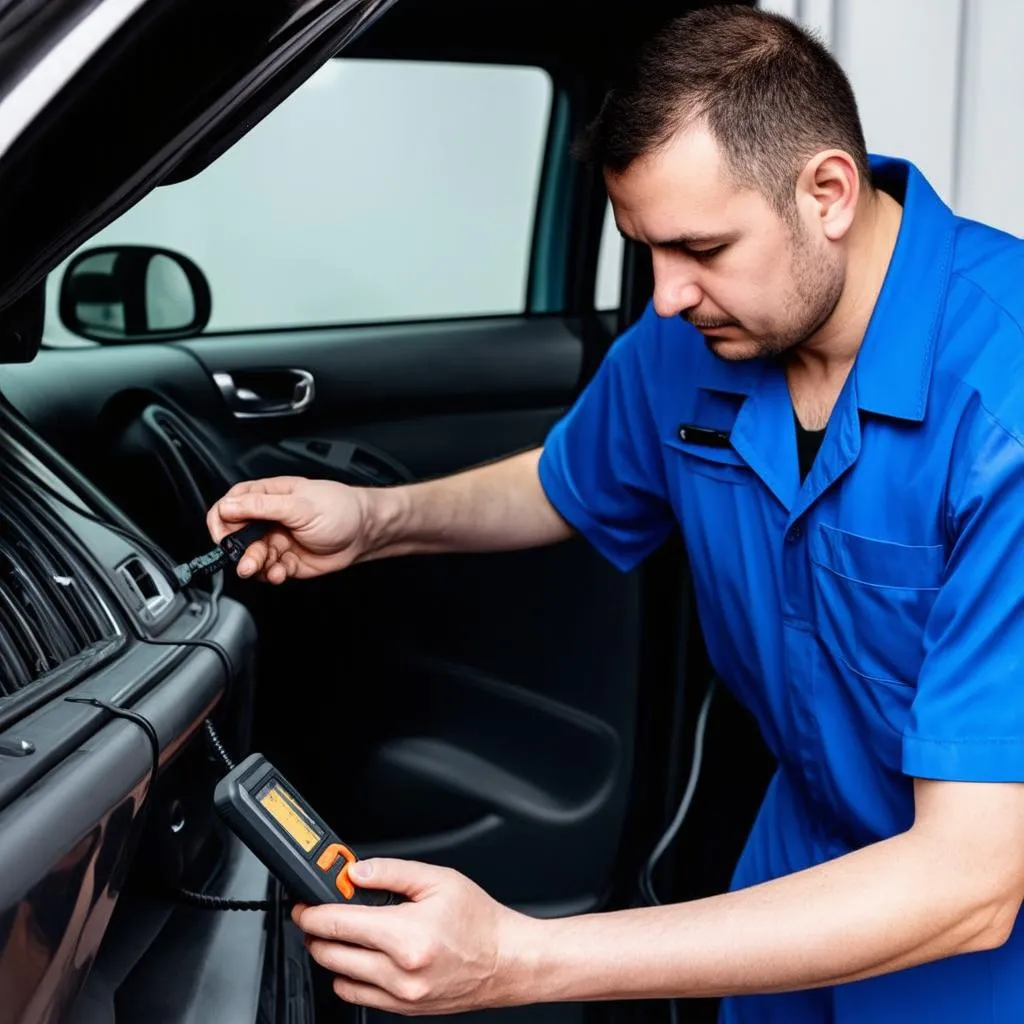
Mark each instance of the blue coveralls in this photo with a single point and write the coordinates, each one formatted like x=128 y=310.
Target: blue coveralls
x=872 y=618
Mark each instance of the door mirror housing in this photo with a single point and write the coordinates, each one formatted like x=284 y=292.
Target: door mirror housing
x=131 y=293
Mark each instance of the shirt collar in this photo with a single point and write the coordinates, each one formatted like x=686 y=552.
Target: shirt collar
x=893 y=367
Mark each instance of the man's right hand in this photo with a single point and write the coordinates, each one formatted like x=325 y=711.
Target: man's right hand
x=322 y=526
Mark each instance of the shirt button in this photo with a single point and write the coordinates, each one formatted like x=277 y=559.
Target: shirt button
x=795 y=533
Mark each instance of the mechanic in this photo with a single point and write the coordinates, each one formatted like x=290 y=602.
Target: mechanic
x=825 y=393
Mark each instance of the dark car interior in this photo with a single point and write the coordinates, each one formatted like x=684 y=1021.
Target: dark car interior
x=527 y=718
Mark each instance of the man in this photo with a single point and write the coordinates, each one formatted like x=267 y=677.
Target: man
x=824 y=394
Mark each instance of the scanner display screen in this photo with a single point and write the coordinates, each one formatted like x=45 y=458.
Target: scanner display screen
x=287 y=812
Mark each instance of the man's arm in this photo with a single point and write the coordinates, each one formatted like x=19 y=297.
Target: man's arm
x=496 y=507
x=323 y=526
x=951 y=884
x=600 y=473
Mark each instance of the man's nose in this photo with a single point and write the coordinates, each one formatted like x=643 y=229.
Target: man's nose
x=675 y=292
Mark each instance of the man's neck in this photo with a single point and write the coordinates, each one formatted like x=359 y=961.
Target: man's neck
x=872 y=241
x=818 y=369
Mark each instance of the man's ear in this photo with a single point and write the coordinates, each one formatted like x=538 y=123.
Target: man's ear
x=827 y=191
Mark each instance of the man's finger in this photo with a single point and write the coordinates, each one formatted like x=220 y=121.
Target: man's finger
x=354 y=962
x=256 y=559
x=262 y=555
x=290 y=563
x=359 y=994
x=276 y=574
x=372 y=927
x=271 y=558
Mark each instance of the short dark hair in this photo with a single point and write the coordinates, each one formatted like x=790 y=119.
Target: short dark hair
x=769 y=92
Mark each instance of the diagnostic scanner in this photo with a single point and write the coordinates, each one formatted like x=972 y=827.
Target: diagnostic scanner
x=289 y=837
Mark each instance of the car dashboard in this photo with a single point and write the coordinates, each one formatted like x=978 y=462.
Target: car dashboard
x=98 y=855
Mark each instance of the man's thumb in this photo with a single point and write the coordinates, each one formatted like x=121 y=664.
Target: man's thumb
x=405 y=877
x=244 y=507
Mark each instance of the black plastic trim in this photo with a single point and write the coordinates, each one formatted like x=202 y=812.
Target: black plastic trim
x=202 y=966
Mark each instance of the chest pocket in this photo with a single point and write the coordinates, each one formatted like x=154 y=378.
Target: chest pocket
x=872 y=599
x=722 y=464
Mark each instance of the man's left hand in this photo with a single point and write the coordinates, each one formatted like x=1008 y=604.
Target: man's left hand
x=450 y=948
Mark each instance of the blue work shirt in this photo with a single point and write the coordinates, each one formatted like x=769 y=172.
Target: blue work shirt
x=872 y=616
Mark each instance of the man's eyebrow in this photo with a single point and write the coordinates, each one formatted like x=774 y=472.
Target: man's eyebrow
x=692 y=239
x=687 y=241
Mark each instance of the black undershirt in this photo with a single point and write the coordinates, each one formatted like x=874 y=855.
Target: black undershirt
x=807 y=444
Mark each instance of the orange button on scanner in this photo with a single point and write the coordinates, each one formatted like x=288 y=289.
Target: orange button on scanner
x=329 y=858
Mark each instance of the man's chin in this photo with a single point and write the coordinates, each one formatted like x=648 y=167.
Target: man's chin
x=732 y=350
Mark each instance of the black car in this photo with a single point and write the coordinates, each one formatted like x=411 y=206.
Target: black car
x=228 y=252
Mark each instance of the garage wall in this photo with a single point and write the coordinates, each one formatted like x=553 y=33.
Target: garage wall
x=940 y=82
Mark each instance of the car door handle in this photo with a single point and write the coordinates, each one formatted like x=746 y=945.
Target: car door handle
x=253 y=394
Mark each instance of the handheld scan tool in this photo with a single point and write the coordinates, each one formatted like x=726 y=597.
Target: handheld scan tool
x=291 y=839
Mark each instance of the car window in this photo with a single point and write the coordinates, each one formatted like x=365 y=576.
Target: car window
x=380 y=191
x=608 y=285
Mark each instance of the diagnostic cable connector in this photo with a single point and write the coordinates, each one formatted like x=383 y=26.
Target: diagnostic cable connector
x=228 y=552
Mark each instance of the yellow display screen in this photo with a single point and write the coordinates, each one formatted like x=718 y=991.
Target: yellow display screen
x=285 y=810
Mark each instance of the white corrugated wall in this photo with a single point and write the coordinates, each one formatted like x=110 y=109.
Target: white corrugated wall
x=940 y=82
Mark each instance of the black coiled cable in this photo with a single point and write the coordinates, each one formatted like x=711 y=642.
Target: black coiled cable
x=218 y=747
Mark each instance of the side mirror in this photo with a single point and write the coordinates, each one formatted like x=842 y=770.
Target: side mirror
x=131 y=293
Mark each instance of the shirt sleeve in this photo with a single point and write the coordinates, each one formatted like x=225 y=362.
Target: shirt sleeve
x=602 y=467
x=967 y=718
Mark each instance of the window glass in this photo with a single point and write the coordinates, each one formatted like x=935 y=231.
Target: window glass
x=607 y=293
x=379 y=191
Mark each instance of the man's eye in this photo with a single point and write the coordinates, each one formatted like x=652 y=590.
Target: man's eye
x=705 y=254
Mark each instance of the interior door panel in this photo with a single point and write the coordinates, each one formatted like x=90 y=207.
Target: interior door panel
x=471 y=710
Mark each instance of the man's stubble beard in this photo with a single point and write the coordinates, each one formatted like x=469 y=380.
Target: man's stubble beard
x=816 y=285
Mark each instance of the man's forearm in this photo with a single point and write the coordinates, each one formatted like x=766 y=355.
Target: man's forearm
x=497 y=507
x=886 y=907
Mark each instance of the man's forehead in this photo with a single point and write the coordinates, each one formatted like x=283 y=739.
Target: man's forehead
x=683 y=189
x=691 y=156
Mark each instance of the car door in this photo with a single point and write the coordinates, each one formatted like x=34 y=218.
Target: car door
x=403 y=267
